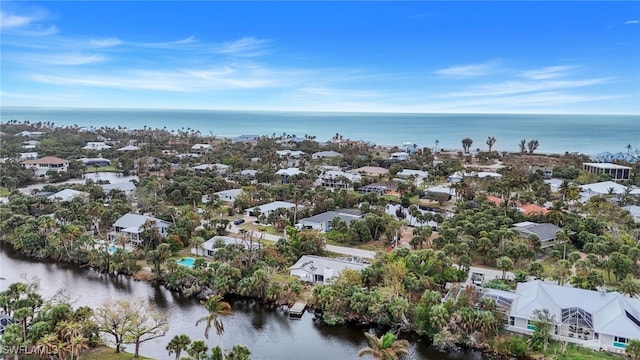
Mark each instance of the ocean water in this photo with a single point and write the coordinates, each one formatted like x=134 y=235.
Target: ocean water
x=587 y=134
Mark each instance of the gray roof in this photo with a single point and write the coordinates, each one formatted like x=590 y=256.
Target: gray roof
x=603 y=187
x=68 y=195
x=544 y=231
x=330 y=153
x=330 y=215
x=272 y=206
x=227 y=240
x=136 y=221
x=230 y=192
x=122 y=186
x=317 y=264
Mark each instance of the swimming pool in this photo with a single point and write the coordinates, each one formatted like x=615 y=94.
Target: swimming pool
x=186 y=261
x=111 y=249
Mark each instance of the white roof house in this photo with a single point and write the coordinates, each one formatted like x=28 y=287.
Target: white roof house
x=266 y=209
x=212 y=245
x=325 y=154
x=596 y=319
x=405 y=173
x=322 y=222
x=399 y=156
x=68 y=195
x=127 y=187
x=289 y=153
x=220 y=168
x=337 y=179
x=201 y=148
x=129 y=148
x=28 y=155
x=617 y=172
x=460 y=175
x=229 y=195
x=317 y=269
x=369 y=171
x=96 y=145
x=602 y=188
x=131 y=225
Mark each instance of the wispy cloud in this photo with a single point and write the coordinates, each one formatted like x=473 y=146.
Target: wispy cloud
x=63 y=59
x=10 y=20
x=247 y=46
x=518 y=87
x=469 y=70
x=630 y=22
x=549 y=72
x=104 y=43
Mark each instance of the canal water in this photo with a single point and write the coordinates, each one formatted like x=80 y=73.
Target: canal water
x=266 y=330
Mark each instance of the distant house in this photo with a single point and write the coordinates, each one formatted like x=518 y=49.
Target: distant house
x=43 y=165
x=245 y=138
x=322 y=222
x=380 y=188
x=533 y=209
x=30 y=144
x=68 y=195
x=127 y=187
x=337 y=179
x=28 y=155
x=131 y=225
x=316 y=269
x=418 y=175
x=545 y=232
x=248 y=173
x=325 y=155
x=91 y=162
x=399 y=156
x=31 y=134
x=546 y=171
x=219 y=168
x=229 y=195
x=290 y=153
x=201 y=149
x=458 y=176
x=129 y=148
x=285 y=174
x=617 y=172
x=594 y=319
x=635 y=212
x=370 y=171
x=96 y=145
x=212 y=245
x=268 y=208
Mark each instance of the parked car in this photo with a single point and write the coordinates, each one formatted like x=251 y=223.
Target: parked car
x=238 y=221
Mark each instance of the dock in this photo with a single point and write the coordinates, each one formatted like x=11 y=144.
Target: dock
x=297 y=309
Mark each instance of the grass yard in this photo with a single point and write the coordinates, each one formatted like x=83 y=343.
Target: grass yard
x=107 y=353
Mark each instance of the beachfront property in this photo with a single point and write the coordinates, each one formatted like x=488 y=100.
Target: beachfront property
x=219 y=168
x=545 y=232
x=212 y=245
x=96 y=145
x=337 y=179
x=285 y=174
x=594 y=319
x=201 y=149
x=370 y=171
x=326 y=155
x=93 y=162
x=322 y=270
x=268 y=208
x=30 y=144
x=230 y=195
x=42 y=166
x=322 y=222
x=131 y=226
x=617 y=172
x=68 y=195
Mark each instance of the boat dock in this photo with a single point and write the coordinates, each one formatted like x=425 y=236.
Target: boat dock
x=297 y=309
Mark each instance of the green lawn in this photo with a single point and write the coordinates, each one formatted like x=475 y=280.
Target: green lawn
x=107 y=353
x=575 y=352
x=4 y=191
x=110 y=168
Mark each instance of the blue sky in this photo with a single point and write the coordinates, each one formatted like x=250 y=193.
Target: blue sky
x=452 y=57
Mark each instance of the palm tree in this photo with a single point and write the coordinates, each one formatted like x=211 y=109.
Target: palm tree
x=466 y=144
x=177 y=344
x=629 y=147
x=490 y=142
x=216 y=307
x=387 y=347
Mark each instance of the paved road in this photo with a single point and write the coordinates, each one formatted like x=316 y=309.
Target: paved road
x=336 y=249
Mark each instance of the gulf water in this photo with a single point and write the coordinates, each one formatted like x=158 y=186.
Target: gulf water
x=587 y=134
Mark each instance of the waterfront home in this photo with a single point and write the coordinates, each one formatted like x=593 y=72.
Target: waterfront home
x=266 y=209
x=92 y=162
x=285 y=174
x=230 y=195
x=617 y=172
x=68 y=195
x=131 y=225
x=322 y=222
x=325 y=155
x=128 y=187
x=212 y=245
x=43 y=165
x=201 y=149
x=594 y=319
x=370 y=171
x=322 y=270
x=337 y=179
x=96 y=145
x=545 y=232
x=30 y=144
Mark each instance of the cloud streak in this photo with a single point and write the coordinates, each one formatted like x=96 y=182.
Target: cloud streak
x=469 y=70
x=549 y=72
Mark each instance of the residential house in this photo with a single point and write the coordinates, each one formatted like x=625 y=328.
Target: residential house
x=245 y=139
x=96 y=145
x=131 y=225
x=601 y=188
x=399 y=156
x=370 y=171
x=31 y=134
x=92 y=162
x=48 y=163
x=212 y=245
x=285 y=174
x=30 y=144
x=129 y=148
x=545 y=232
x=597 y=320
x=127 y=187
x=219 y=168
x=417 y=175
x=323 y=270
x=322 y=222
x=250 y=173
x=545 y=171
x=268 y=208
x=617 y=172
x=325 y=155
x=337 y=179
x=458 y=176
x=68 y=195
x=229 y=195
x=201 y=149
x=380 y=188
x=28 y=155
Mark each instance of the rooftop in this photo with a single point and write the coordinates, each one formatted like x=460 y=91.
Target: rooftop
x=606 y=166
x=47 y=160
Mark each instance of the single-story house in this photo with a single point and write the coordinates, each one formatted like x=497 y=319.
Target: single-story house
x=418 y=175
x=370 y=171
x=212 y=245
x=68 y=195
x=31 y=134
x=96 y=145
x=132 y=226
x=250 y=173
x=266 y=209
x=594 y=319
x=617 y=172
x=245 y=138
x=285 y=174
x=458 y=176
x=602 y=188
x=289 y=153
x=129 y=148
x=48 y=163
x=201 y=148
x=545 y=232
x=28 y=155
x=219 y=168
x=322 y=222
x=30 y=144
x=317 y=269
x=325 y=155
x=229 y=195
x=90 y=162
x=399 y=156
x=127 y=187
